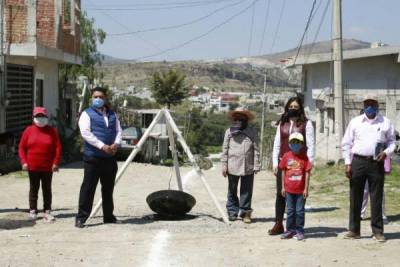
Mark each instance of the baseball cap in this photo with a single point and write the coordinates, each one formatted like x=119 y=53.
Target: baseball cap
x=297 y=136
x=40 y=110
x=370 y=97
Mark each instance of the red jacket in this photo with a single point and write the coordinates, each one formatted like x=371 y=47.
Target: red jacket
x=40 y=148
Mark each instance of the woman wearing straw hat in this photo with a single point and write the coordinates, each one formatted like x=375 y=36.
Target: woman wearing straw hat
x=240 y=161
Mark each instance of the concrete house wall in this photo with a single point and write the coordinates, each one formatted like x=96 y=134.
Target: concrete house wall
x=378 y=75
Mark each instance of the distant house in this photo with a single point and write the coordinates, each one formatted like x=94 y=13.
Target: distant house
x=38 y=36
x=371 y=70
x=157 y=143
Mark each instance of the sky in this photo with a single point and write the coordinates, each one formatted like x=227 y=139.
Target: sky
x=219 y=29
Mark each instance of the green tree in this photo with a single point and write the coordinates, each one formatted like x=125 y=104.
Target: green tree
x=169 y=87
x=90 y=38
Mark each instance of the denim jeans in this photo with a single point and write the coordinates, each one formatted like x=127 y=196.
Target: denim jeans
x=295 y=212
x=233 y=205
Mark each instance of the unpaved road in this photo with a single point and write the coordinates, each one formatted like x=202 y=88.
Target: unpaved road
x=200 y=240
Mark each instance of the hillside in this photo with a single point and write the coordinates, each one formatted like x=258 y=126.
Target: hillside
x=237 y=74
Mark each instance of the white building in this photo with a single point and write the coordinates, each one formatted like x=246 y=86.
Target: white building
x=365 y=71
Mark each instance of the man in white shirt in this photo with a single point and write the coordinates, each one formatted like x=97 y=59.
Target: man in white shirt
x=368 y=140
x=101 y=132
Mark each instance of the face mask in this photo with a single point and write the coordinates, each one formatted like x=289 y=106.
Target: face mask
x=240 y=124
x=41 y=121
x=97 y=103
x=295 y=148
x=371 y=111
x=293 y=112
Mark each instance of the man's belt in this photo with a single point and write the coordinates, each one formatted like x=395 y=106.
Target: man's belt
x=363 y=157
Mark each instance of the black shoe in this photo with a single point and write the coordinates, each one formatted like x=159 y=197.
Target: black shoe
x=111 y=220
x=79 y=224
x=232 y=218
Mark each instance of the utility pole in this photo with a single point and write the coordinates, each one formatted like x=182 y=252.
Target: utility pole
x=337 y=74
x=263 y=121
x=2 y=72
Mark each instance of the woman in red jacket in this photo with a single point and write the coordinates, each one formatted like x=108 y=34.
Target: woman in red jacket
x=40 y=154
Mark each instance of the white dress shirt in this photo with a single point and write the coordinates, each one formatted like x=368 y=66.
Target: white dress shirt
x=362 y=135
x=88 y=136
x=309 y=141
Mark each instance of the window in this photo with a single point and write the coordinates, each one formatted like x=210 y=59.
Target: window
x=67 y=5
x=39 y=93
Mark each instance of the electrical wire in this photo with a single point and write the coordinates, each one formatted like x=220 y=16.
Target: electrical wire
x=158 y=7
x=265 y=27
x=322 y=20
x=127 y=28
x=305 y=31
x=278 y=25
x=178 y=25
x=201 y=35
x=251 y=29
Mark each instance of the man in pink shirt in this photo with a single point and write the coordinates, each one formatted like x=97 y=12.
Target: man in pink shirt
x=370 y=138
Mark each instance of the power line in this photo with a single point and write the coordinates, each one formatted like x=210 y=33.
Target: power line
x=127 y=28
x=201 y=35
x=305 y=30
x=164 y=3
x=278 y=25
x=178 y=25
x=318 y=29
x=158 y=7
x=265 y=27
x=251 y=29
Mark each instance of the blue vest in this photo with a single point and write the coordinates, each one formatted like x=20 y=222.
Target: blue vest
x=101 y=131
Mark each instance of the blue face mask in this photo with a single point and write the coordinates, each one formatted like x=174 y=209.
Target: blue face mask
x=371 y=111
x=97 y=103
x=295 y=148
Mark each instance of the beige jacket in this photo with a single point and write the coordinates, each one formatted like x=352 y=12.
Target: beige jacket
x=240 y=153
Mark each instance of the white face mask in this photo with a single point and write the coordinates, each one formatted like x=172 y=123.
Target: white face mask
x=41 y=121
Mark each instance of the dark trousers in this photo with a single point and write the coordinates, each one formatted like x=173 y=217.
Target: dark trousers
x=235 y=206
x=35 y=178
x=373 y=172
x=280 y=200
x=295 y=213
x=104 y=169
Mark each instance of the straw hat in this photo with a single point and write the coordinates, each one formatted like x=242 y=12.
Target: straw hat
x=250 y=116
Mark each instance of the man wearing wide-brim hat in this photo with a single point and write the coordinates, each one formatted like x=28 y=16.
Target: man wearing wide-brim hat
x=240 y=161
x=368 y=140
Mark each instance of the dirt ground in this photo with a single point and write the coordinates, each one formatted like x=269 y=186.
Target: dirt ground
x=198 y=240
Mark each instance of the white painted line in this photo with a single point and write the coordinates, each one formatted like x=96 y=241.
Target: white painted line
x=157 y=255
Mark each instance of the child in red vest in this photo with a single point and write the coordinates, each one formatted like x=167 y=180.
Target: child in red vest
x=296 y=168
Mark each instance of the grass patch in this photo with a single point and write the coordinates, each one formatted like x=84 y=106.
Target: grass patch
x=214 y=149
x=329 y=187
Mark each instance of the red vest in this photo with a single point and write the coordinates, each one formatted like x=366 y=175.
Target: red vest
x=285 y=132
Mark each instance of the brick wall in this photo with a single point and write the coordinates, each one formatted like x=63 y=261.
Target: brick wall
x=70 y=43
x=16 y=13
x=45 y=17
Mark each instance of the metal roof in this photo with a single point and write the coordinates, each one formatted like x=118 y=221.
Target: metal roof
x=347 y=54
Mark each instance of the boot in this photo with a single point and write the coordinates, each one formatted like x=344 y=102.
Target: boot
x=277 y=229
x=247 y=217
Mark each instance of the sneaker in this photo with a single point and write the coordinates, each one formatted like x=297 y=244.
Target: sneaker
x=287 y=235
x=385 y=220
x=48 y=217
x=379 y=237
x=277 y=229
x=32 y=215
x=299 y=236
x=352 y=235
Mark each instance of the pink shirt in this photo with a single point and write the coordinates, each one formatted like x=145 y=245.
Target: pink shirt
x=362 y=135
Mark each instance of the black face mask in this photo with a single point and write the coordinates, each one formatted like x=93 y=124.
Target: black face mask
x=240 y=124
x=293 y=113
